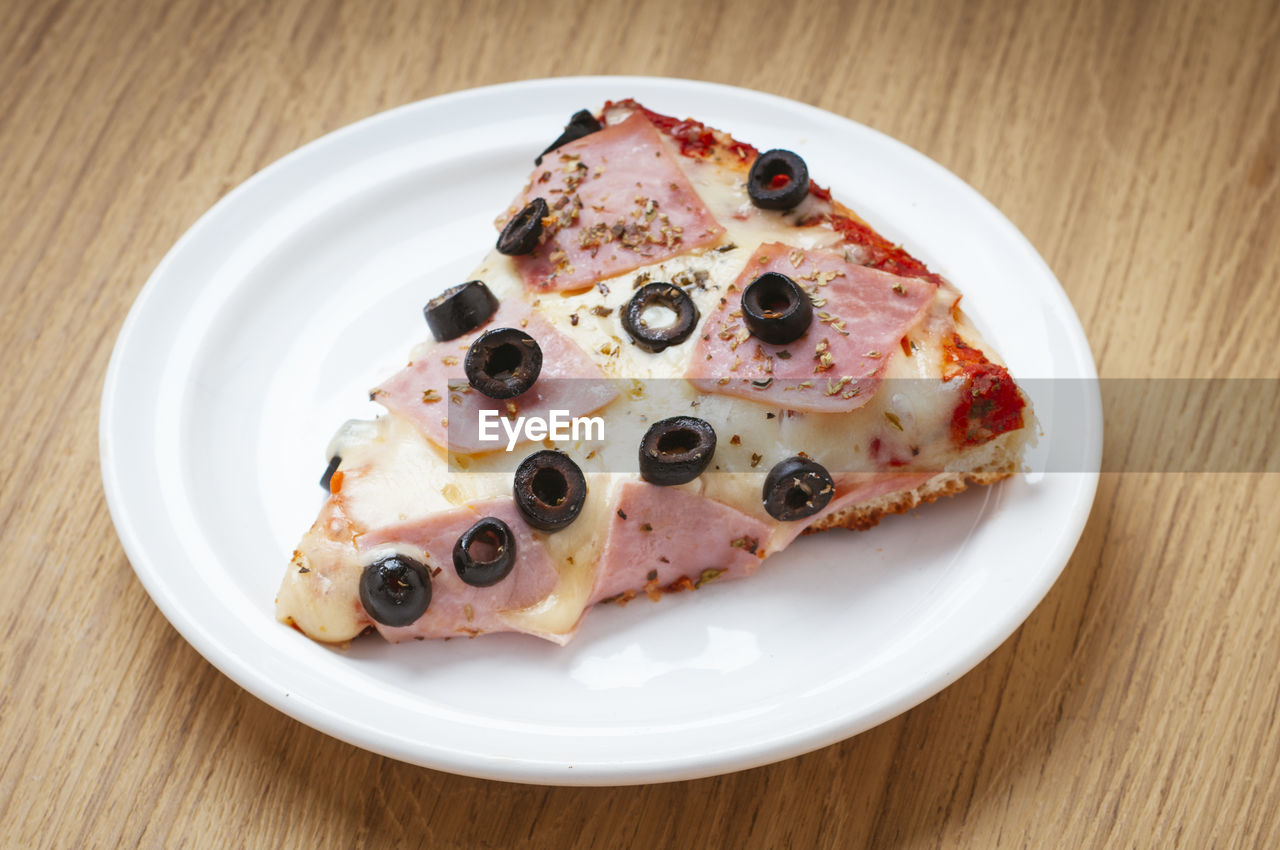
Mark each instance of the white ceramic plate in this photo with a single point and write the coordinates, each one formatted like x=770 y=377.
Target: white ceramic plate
x=263 y=328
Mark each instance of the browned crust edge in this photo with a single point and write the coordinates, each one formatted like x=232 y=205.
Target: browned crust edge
x=867 y=515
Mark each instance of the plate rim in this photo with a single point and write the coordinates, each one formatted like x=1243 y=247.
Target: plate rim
x=701 y=764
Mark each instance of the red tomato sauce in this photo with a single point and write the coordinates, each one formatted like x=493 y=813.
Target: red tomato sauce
x=990 y=402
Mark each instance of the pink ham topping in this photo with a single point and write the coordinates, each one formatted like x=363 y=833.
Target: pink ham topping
x=458 y=608
x=618 y=201
x=860 y=316
x=450 y=416
x=659 y=536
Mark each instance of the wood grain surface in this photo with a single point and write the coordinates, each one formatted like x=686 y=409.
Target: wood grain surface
x=1136 y=146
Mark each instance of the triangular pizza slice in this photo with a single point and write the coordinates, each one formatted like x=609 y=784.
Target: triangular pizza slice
x=681 y=355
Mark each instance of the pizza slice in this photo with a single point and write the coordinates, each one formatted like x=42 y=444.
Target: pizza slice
x=681 y=355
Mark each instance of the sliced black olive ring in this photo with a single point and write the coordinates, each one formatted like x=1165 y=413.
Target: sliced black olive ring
x=459 y=310
x=522 y=232
x=797 y=488
x=329 y=470
x=503 y=362
x=775 y=309
x=666 y=295
x=485 y=553
x=676 y=450
x=583 y=123
x=778 y=180
x=395 y=590
x=549 y=489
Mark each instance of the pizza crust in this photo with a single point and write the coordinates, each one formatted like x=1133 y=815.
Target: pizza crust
x=999 y=459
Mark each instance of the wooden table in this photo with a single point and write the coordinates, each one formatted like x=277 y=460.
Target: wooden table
x=1135 y=144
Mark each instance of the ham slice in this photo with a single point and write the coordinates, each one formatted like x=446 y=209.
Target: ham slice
x=661 y=538
x=458 y=608
x=860 y=315
x=618 y=201
x=433 y=393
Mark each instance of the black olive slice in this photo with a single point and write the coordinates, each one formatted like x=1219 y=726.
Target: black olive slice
x=797 y=488
x=329 y=470
x=775 y=309
x=395 y=590
x=583 y=123
x=503 y=362
x=778 y=180
x=522 y=232
x=666 y=295
x=550 y=490
x=676 y=450
x=485 y=553
x=459 y=310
